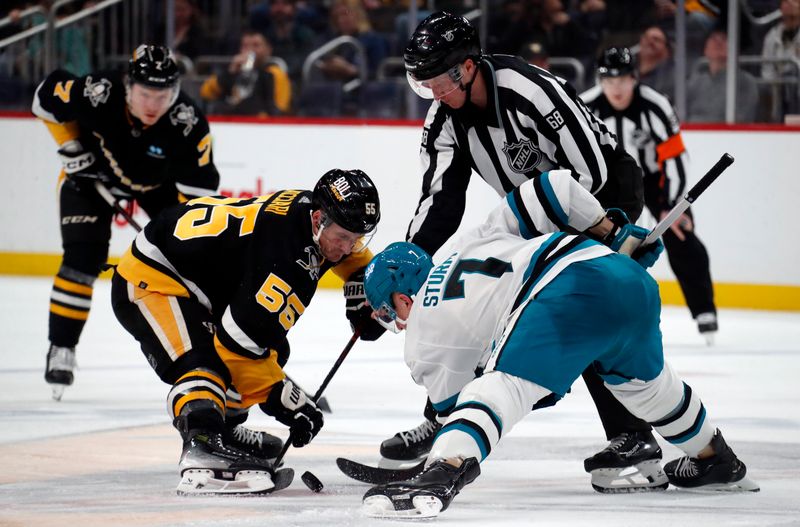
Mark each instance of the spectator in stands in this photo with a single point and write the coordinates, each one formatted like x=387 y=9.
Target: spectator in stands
x=348 y=17
x=72 y=42
x=656 y=67
x=783 y=42
x=251 y=85
x=536 y=53
x=547 y=22
x=706 y=87
x=191 y=35
x=291 y=39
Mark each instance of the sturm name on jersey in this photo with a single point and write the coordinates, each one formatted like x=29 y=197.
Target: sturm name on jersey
x=433 y=287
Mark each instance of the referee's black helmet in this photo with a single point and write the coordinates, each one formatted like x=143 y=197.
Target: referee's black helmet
x=440 y=42
x=616 y=62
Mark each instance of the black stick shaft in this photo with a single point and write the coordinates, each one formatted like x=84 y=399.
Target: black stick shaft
x=114 y=202
x=714 y=172
x=322 y=387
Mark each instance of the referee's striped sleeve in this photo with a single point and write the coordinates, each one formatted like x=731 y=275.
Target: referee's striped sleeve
x=673 y=160
x=446 y=173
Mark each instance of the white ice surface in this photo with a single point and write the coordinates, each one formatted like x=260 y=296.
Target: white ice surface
x=106 y=454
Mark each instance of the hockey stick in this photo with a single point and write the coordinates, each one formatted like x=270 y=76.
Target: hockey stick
x=114 y=202
x=719 y=167
x=321 y=388
x=377 y=475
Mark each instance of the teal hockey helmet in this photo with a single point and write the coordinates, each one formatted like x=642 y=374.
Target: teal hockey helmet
x=400 y=268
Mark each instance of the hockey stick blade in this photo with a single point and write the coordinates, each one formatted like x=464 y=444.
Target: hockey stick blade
x=375 y=475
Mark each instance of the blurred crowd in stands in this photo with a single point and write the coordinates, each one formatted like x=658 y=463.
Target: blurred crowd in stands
x=344 y=57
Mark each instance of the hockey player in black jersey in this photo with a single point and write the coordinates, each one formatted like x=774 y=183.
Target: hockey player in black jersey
x=210 y=289
x=646 y=125
x=136 y=134
x=510 y=122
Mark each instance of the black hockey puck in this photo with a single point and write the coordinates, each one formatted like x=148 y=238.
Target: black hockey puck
x=311 y=481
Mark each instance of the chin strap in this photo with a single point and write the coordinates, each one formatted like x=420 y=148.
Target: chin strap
x=468 y=87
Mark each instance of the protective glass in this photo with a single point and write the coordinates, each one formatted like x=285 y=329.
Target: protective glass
x=440 y=86
x=386 y=317
x=357 y=242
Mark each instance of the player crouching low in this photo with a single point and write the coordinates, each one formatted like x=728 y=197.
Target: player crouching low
x=532 y=314
x=210 y=289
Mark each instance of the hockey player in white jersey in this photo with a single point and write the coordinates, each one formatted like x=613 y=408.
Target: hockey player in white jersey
x=532 y=311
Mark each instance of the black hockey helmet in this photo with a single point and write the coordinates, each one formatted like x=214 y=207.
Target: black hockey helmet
x=349 y=198
x=153 y=66
x=616 y=62
x=440 y=42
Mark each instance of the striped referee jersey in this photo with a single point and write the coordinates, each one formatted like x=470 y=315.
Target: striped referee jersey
x=649 y=131
x=534 y=122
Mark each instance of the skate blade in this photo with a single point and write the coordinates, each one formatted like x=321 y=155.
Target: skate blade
x=58 y=391
x=709 y=336
x=422 y=507
x=646 y=476
x=743 y=485
x=201 y=482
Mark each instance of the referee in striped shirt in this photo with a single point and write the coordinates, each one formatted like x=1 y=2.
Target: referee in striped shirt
x=509 y=122
x=646 y=126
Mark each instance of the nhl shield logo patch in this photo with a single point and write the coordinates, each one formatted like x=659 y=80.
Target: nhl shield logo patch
x=522 y=156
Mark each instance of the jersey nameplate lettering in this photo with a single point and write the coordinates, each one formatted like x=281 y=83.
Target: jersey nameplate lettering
x=280 y=205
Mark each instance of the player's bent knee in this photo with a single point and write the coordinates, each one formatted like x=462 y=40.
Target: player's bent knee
x=487 y=407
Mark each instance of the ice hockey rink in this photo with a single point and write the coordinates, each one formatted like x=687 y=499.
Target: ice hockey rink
x=106 y=454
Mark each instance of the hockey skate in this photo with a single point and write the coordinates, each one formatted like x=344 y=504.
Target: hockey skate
x=254 y=442
x=409 y=447
x=423 y=496
x=630 y=463
x=721 y=472
x=59 y=370
x=707 y=326
x=209 y=466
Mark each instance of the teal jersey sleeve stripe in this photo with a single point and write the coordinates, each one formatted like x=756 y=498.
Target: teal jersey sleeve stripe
x=523 y=227
x=551 y=197
x=446 y=405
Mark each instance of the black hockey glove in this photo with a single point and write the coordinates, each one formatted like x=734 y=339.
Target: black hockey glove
x=356 y=309
x=289 y=405
x=78 y=163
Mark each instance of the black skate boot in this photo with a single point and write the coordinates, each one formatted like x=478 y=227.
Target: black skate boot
x=59 y=370
x=209 y=465
x=254 y=442
x=707 y=326
x=630 y=463
x=423 y=496
x=723 y=471
x=411 y=445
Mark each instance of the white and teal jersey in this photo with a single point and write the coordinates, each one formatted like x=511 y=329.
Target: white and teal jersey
x=492 y=272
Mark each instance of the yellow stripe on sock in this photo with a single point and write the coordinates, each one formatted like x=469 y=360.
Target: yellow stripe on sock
x=69 y=313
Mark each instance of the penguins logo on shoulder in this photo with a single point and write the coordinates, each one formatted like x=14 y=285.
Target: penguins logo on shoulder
x=183 y=114
x=97 y=92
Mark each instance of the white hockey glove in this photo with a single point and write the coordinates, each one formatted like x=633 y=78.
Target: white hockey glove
x=78 y=162
x=289 y=405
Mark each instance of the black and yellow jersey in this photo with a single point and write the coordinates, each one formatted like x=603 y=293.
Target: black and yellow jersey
x=176 y=150
x=251 y=262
